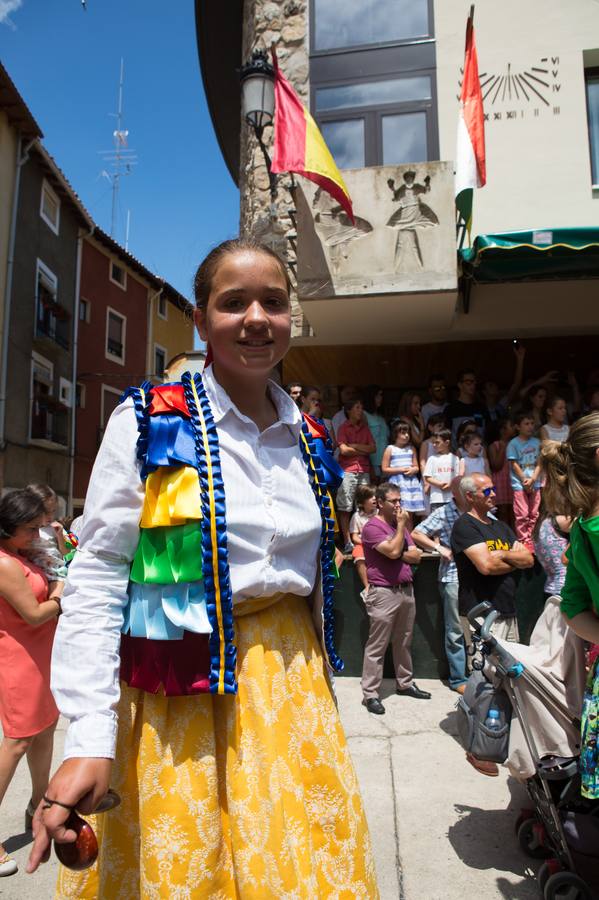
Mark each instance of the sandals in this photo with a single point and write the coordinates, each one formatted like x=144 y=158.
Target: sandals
x=8 y=866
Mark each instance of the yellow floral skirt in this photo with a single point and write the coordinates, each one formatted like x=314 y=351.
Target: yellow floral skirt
x=251 y=796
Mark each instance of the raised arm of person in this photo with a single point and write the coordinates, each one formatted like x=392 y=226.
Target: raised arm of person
x=85 y=657
x=576 y=395
x=16 y=591
x=393 y=547
x=520 y=354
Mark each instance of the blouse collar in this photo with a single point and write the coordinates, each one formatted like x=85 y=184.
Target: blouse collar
x=221 y=404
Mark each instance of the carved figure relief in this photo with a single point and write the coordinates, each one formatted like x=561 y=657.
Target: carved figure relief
x=336 y=229
x=411 y=215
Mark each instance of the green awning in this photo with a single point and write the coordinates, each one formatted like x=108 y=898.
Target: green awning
x=547 y=253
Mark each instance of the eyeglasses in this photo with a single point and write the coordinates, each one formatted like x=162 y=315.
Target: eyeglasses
x=394 y=502
x=486 y=492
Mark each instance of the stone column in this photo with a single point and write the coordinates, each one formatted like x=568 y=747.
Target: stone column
x=284 y=23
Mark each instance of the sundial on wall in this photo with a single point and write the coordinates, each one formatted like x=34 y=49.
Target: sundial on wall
x=520 y=91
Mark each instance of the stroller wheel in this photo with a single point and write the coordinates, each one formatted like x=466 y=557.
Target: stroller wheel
x=548 y=869
x=566 y=886
x=524 y=815
x=531 y=836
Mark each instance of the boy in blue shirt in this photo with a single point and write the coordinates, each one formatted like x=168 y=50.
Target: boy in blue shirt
x=525 y=470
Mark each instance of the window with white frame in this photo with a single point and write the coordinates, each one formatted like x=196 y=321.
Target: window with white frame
x=161 y=306
x=115 y=335
x=159 y=360
x=65 y=392
x=52 y=320
x=49 y=417
x=109 y=402
x=80 y=395
x=50 y=207
x=118 y=274
x=85 y=309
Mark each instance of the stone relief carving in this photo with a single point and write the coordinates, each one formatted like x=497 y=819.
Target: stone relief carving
x=335 y=228
x=410 y=216
x=400 y=206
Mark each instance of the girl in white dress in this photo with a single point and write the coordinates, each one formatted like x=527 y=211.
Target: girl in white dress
x=400 y=467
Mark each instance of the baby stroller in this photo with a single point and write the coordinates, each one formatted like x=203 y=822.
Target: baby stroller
x=536 y=731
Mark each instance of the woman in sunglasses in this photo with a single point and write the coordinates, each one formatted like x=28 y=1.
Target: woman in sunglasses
x=230 y=759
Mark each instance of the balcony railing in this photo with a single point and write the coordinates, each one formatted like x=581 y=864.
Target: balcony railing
x=49 y=421
x=52 y=322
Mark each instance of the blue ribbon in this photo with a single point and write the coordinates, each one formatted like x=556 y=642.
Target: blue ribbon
x=203 y=450
x=171 y=441
x=162 y=612
x=316 y=472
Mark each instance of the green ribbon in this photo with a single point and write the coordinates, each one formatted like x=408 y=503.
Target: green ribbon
x=168 y=555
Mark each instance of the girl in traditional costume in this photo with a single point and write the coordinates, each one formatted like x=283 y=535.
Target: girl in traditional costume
x=204 y=574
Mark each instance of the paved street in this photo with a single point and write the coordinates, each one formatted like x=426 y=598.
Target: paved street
x=440 y=830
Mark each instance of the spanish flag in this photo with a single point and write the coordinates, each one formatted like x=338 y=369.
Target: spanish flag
x=471 y=169
x=299 y=146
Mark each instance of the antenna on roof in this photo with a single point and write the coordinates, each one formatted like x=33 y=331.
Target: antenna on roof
x=120 y=158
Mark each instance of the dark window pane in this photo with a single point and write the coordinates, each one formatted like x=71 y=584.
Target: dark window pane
x=345 y=140
x=360 y=22
x=593 y=109
x=374 y=93
x=404 y=138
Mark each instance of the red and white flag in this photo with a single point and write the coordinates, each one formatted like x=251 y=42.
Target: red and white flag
x=471 y=171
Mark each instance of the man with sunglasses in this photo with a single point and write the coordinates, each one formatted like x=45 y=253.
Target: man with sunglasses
x=389 y=552
x=488 y=556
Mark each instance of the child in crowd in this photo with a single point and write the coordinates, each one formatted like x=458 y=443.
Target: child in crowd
x=400 y=466
x=410 y=412
x=523 y=454
x=366 y=508
x=434 y=424
x=468 y=426
x=441 y=468
x=556 y=428
x=500 y=468
x=473 y=456
x=551 y=537
x=49 y=550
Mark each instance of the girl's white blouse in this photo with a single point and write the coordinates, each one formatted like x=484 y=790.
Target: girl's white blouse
x=273 y=529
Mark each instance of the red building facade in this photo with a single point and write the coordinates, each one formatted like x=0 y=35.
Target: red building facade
x=111 y=344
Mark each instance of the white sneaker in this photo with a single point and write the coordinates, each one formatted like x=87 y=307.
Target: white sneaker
x=8 y=866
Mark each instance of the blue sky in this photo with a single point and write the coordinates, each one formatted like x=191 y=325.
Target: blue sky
x=65 y=62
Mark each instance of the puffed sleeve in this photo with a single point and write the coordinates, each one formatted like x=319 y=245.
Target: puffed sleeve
x=85 y=658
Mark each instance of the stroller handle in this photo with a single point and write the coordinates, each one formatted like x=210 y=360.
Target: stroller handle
x=506 y=663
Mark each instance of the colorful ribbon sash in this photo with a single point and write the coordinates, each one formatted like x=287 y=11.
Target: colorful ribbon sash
x=179 y=581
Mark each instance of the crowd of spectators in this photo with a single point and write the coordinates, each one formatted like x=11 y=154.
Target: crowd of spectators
x=457 y=473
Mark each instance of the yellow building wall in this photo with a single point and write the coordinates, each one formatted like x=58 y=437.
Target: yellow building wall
x=8 y=161
x=174 y=334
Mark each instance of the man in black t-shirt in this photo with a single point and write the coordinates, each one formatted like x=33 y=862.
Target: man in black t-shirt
x=465 y=407
x=487 y=555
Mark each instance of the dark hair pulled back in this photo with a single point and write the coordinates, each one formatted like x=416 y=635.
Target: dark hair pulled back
x=17 y=507
x=202 y=282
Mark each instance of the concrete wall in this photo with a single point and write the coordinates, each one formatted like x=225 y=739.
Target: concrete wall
x=8 y=161
x=35 y=240
x=538 y=164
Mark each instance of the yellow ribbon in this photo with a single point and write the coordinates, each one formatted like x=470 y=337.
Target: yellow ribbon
x=172 y=497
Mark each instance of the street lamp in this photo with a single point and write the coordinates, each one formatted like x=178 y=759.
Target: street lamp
x=258 y=103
